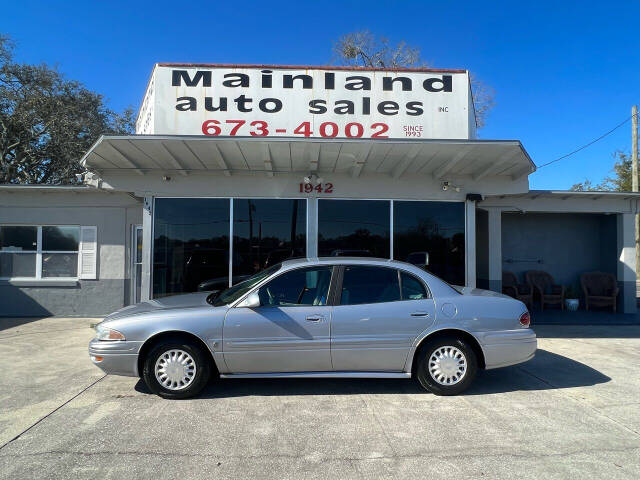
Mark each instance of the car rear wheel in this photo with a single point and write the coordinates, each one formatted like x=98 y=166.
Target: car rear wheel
x=447 y=366
x=176 y=369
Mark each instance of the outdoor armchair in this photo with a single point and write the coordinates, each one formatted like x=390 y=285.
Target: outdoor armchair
x=519 y=291
x=549 y=292
x=600 y=289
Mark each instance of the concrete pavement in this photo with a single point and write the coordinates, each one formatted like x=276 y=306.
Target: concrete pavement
x=572 y=412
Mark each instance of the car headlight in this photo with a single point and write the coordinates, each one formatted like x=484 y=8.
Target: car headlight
x=104 y=333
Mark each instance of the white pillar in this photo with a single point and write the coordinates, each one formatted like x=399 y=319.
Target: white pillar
x=470 y=243
x=626 y=262
x=147 y=239
x=495 y=249
x=312 y=227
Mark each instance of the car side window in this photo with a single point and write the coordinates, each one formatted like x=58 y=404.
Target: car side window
x=412 y=288
x=369 y=285
x=303 y=286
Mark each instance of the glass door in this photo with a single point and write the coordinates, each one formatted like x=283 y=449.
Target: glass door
x=136 y=263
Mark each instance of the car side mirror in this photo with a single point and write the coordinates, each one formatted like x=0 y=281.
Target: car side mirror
x=251 y=301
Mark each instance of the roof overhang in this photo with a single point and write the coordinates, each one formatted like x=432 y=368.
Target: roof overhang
x=185 y=155
x=10 y=187
x=571 y=194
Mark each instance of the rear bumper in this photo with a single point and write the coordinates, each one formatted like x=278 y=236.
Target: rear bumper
x=507 y=347
x=115 y=358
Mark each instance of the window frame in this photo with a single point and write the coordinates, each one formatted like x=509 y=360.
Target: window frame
x=419 y=280
x=39 y=252
x=331 y=293
x=310 y=234
x=341 y=280
x=399 y=271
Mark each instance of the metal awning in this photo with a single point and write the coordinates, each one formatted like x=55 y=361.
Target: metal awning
x=567 y=194
x=183 y=154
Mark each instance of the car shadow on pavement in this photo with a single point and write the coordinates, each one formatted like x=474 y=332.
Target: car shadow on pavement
x=547 y=371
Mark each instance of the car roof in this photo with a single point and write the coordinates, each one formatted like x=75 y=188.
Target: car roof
x=346 y=260
x=436 y=285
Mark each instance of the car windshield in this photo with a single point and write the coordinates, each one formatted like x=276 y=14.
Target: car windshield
x=230 y=295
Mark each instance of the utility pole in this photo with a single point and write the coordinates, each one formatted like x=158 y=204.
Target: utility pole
x=634 y=174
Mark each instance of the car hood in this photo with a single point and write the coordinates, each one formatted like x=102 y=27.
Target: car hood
x=165 y=303
x=478 y=292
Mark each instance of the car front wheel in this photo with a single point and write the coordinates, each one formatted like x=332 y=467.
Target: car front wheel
x=447 y=366
x=176 y=369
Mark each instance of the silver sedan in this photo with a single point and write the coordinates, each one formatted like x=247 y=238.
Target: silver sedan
x=326 y=317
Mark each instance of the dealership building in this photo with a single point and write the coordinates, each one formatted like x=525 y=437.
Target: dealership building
x=234 y=168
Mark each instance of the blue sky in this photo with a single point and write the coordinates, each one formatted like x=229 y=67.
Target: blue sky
x=564 y=72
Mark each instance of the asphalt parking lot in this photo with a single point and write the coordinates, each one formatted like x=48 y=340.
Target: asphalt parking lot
x=572 y=412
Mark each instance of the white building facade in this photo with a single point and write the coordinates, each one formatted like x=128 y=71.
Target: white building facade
x=234 y=168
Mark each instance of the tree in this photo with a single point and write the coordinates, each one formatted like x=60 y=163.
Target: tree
x=47 y=122
x=621 y=181
x=363 y=48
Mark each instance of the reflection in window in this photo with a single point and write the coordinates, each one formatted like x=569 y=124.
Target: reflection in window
x=18 y=238
x=60 y=238
x=431 y=235
x=191 y=244
x=14 y=265
x=55 y=248
x=59 y=265
x=18 y=245
x=266 y=232
x=412 y=288
x=60 y=251
x=369 y=285
x=304 y=286
x=353 y=228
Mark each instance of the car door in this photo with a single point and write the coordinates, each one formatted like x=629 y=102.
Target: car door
x=379 y=314
x=288 y=332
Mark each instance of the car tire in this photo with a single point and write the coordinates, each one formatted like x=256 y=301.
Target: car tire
x=168 y=361
x=446 y=366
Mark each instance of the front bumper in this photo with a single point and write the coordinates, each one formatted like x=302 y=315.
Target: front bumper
x=116 y=358
x=507 y=347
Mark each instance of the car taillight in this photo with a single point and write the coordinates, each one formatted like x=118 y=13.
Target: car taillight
x=525 y=319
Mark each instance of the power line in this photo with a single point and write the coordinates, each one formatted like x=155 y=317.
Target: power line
x=587 y=144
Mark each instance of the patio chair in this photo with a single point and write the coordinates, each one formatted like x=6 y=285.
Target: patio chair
x=519 y=291
x=549 y=292
x=600 y=289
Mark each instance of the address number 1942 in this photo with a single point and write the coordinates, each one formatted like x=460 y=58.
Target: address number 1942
x=318 y=188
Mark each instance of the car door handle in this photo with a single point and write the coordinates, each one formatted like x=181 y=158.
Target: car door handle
x=420 y=314
x=315 y=318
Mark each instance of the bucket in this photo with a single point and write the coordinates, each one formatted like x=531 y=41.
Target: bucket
x=571 y=304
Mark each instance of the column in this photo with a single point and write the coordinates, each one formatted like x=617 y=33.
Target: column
x=494 y=226
x=147 y=240
x=470 y=243
x=312 y=227
x=626 y=262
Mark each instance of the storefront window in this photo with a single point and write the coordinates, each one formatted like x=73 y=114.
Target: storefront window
x=431 y=235
x=191 y=244
x=53 y=248
x=266 y=232
x=354 y=228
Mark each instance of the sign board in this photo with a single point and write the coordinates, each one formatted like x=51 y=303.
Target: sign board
x=325 y=102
